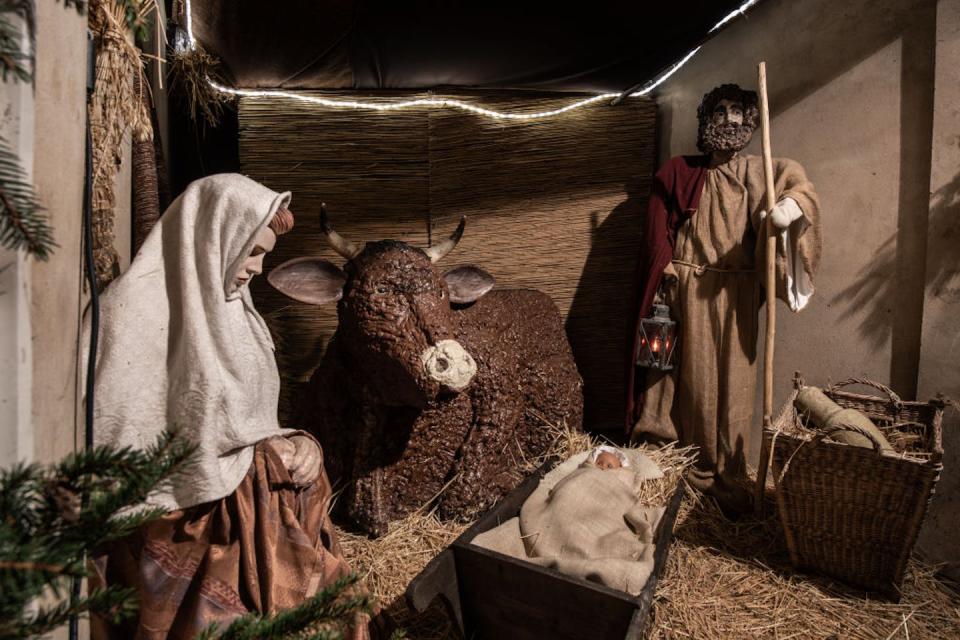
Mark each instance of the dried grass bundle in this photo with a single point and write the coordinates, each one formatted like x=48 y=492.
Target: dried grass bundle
x=116 y=107
x=190 y=68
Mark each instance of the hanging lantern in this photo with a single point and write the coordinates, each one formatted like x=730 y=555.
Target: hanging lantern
x=657 y=340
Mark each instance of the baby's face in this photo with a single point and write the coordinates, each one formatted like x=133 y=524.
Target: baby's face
x=607 y=460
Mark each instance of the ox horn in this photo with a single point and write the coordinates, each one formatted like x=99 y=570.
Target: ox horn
x=437 y=252
x=341 y=245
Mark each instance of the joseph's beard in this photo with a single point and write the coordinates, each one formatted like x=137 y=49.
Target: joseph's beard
x=724 y=137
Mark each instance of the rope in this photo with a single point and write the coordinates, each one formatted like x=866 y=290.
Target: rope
x=699 y=269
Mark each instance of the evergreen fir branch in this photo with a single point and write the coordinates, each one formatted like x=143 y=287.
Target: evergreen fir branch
x=26 y=10
x=96 y=469
x=23 y=223
x=13 y=61
x=19 y=499
x=114 y=603
x=46 y=530
x=132 y=476
x=330 y=609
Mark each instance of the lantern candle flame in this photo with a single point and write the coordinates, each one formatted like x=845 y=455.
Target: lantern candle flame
x=656 y=340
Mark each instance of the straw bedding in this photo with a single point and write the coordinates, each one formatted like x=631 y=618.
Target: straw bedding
x=723 y=579
x=728 y=579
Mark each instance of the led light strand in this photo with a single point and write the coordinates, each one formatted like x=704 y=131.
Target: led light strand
x=448 y=102
x=739 y=11
x=188 y=11
x=420 y=102
x=669 y=72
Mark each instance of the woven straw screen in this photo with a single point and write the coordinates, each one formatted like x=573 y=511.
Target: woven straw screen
x=552 y=204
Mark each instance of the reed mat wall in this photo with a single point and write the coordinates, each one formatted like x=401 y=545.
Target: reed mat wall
x=552 y=204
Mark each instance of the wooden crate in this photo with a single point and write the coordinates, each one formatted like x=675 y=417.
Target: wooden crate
x=491 y=595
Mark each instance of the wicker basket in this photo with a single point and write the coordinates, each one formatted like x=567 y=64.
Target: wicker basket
x=849 y=512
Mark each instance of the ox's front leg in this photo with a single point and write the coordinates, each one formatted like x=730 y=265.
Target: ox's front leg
x=412 y=454
x=490 y=462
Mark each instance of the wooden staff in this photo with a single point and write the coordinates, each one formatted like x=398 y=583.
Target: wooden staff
x=771 y=286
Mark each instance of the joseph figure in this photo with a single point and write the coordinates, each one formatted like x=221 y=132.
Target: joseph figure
x=703 y=255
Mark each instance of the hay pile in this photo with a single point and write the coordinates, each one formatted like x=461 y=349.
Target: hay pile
x=389 y=563
x=723 y=579
x=728 y=579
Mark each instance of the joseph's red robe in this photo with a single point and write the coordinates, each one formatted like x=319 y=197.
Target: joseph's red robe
x=674 y=197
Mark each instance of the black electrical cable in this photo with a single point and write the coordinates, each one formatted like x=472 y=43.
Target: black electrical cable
x=92 y=283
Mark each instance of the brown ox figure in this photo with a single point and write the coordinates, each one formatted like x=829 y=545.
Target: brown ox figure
x=433 y=386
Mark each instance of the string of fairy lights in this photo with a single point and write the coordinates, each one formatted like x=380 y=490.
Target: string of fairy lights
x=347 y=103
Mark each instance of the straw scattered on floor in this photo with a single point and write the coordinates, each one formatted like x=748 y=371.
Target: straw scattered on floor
x=723 y=579
x=387 y=564
x=728 y=579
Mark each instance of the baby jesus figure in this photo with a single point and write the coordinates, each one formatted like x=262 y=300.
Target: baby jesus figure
x=605 y=457
x=585 y=519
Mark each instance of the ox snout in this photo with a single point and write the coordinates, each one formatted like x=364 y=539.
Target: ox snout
x=449 y=364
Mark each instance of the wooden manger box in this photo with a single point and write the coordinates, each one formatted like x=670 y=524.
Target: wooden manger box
x=492 y=595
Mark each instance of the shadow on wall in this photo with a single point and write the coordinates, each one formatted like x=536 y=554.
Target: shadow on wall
x=876 y=287
x=944 y=281
x=887 y=293
x=594 y=308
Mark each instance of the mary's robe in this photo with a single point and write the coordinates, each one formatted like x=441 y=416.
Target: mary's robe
x=182 y=349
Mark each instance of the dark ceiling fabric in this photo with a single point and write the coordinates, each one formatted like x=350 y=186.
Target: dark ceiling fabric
x=422 y=44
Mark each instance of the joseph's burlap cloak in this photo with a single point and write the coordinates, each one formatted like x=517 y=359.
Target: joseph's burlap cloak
x=708 y=399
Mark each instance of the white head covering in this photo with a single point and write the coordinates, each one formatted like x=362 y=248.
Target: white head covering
x=605 y=448
x=180 y=349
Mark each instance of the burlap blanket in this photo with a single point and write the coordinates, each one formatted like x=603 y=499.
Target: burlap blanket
x=586 y=522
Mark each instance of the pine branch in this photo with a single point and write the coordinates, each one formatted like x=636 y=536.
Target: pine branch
x=322 y=617
x=22 y=220
x=12 y=58
x=113 y=603
x=120 y=479
x=46 y=530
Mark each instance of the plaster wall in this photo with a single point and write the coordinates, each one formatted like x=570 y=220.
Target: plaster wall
x=851 y=89
x=940 y=345
x=16 y=358
x=58 y=177
x=58 y=297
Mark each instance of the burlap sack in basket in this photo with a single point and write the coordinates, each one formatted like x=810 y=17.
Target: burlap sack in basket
x=850 y=512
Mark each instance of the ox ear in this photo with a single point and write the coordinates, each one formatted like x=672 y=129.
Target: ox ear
x=309 y=280
x=468 y=284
